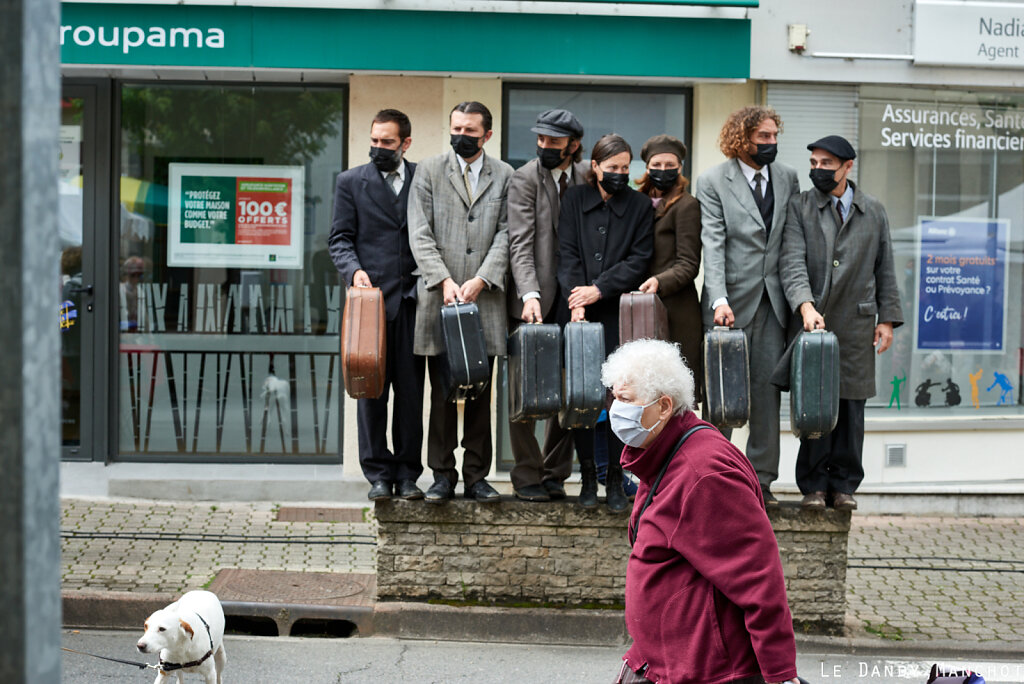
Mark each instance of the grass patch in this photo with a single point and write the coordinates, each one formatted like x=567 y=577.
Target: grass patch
x=884 y=631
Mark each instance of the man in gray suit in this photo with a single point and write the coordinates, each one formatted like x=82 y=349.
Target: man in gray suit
x=458 y=231
x=837 y=269
x=743 y=205
x=534 y=200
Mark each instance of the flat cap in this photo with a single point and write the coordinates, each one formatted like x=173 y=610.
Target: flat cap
x=835 y=145
x=663 y=143
x=559 y=123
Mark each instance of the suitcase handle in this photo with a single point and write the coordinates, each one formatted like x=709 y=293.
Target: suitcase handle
x=722 y=327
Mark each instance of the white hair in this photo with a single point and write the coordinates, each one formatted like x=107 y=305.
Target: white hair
x=651 y=369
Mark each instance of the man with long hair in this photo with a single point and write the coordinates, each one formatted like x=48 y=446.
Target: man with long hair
x=743 y=205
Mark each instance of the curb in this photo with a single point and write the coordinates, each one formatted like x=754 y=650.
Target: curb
x=938 y=648
x=555 y=626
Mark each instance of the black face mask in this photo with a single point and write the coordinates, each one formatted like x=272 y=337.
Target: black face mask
x=550 y=158
x=614 y=182
x=765 y=154
x=384 y=159
x=663 y=179
x=465 y=145
x=824 y=180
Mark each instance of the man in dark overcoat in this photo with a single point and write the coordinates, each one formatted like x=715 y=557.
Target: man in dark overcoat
x=836 y=268
x=369 y=244
x=534 y=198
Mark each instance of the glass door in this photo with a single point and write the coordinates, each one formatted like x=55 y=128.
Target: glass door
x=82 y=308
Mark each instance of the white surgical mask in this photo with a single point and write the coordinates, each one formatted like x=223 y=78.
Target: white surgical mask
x=625 y=422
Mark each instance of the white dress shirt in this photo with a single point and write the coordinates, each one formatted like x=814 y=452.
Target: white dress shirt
x=474 y=170
x=400 y=181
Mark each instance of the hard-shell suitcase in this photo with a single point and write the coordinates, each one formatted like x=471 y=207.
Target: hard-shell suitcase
x=465 y=366
x=814 y=384
x=726 y=377
x=582 y=393
x=534 y=371
x=363 y=343
x=642 y=316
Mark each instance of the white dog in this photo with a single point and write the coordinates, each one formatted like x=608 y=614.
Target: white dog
x=189 y=635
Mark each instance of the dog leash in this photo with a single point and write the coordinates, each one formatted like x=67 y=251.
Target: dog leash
x=136 y=663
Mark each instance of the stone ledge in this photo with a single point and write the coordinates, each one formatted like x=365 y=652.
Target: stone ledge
x=558 y=554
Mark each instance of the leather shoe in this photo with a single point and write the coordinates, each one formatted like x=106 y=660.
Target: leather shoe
x=483 y=493
x=814 y=500
x=440 y=491
x=844 y=502
x=769 y=498
x=532 y=493
x=380 y=489
x=407 y=489
x=554 y=488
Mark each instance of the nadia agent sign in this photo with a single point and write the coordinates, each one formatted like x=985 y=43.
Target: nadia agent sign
x=235 y=216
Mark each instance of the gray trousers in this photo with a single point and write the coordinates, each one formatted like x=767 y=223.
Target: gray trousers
x=766 y=339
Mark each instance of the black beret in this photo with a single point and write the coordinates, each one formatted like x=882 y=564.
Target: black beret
x=663 y=143
x=558 y=123
x=835 y=145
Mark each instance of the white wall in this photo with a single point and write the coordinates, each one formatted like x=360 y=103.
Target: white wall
x=867 y=26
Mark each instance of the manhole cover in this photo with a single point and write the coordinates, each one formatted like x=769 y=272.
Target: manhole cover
x=322 y=514
x=278 y=586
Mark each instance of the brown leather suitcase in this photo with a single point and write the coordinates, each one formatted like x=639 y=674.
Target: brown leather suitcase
x=363 y=343
x=642 y=316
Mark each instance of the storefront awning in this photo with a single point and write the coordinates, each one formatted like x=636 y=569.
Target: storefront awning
x=240 y=36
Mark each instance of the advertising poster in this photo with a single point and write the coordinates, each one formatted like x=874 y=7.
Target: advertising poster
x=235 y=216
x=961 y=293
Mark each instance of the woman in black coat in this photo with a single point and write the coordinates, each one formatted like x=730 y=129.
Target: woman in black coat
x=606 y=239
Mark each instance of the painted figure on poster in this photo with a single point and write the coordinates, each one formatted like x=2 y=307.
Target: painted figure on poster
x=952 y=391
x=896 y=383
x=975 y=377
x=1004 y=384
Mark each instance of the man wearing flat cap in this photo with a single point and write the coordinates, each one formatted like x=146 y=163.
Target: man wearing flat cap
x=836 y=268
x=534 y=201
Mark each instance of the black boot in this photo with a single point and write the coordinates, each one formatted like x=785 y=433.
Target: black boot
x=615 y=495
x=588 y=489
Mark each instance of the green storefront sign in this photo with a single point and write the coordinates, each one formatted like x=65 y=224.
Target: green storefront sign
x=349 y=39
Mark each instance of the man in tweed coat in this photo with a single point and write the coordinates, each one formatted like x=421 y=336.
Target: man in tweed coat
x=836 y=267
x=458 y=231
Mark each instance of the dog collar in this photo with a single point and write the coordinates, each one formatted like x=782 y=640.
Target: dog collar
x=171 y=667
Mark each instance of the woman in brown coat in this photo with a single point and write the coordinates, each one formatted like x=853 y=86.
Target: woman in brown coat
x=676 y=247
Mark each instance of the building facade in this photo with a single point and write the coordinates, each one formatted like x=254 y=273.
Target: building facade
x=201 y=140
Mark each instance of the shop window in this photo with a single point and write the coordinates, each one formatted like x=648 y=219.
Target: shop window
x=229 y=302
x=949 y=168
x=634 y=113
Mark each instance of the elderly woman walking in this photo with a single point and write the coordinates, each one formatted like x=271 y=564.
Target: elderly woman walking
x=705 y=595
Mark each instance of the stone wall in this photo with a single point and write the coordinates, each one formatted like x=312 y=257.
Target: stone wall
x=560 y=554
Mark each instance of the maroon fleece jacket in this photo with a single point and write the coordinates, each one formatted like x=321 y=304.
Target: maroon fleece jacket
x=705 y=594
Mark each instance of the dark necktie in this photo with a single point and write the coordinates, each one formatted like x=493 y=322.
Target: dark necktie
x=839 y=210
x=392 y=179
x=563 y=184
x=758 y=193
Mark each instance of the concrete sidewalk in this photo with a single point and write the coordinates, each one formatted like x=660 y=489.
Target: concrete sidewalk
x=942 y=584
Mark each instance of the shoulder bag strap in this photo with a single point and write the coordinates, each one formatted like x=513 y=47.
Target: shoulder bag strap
x=661 y=474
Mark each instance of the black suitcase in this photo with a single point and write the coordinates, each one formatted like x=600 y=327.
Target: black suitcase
x=582 y=393
x=726 y=378
x=534 y=371
x=814 y=384
x=464 y=363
